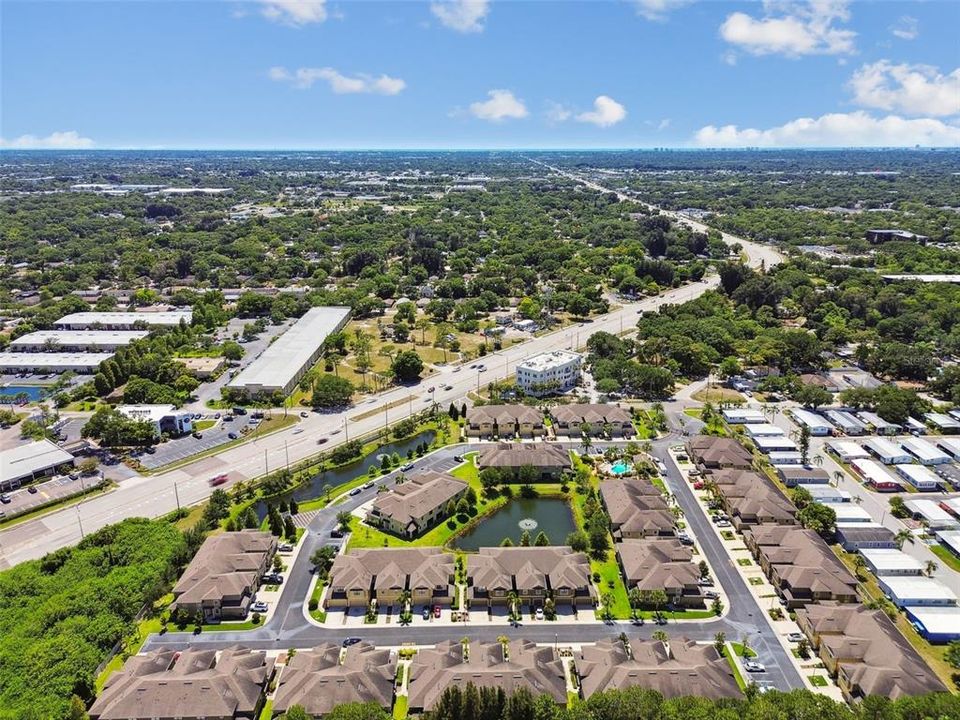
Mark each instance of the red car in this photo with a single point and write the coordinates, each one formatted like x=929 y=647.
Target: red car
x=698 y=485
x=436 y=611
x=218 y=480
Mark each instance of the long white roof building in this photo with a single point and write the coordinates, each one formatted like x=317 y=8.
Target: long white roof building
x=27 y=461
x=53 y=362
x=122 y=320
x=285 y=361
x=76 y=340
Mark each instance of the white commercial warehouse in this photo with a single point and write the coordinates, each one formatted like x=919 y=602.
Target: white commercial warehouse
x=925 y=452
x=26 y=462
x=911 y=590
x=285 y=361
x=76 y=340
x=922 y=478
x=886 y=452
x=51 y=362
x=122 y=320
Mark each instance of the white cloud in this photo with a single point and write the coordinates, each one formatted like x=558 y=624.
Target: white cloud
x=304 y=78
x=792 y=28
x=557 y=113
x=295 y=12
x=910 y=89
x=658 y=9
x=906 y=28
x=67 y=140
x=501 y=106
x=857 y=129
x=464 y=16
x=606 y=112
x=663 y=124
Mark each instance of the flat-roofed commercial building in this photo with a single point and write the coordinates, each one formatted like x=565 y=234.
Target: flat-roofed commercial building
x=925 y=452
x=51 y=362
x=122 y=320
x=27 y=462
x=76 y=340
x=548 y=372
x=921 y=477
x=164 y=418
x=283 y=363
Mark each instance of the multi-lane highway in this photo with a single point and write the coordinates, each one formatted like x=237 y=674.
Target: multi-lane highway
x=152 y=496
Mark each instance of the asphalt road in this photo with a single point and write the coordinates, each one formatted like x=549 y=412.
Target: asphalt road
x=288 y=626
x=159 y=494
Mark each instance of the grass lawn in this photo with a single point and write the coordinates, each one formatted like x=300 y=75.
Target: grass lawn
x=817 y=680
x=267 y=711
x=204 y=424
x=738 y=676
x=744 y=562
x=400 y=707
x=221 y=627
x=738 y=649
x=756 y=581
x=947 y=557
x=717 y=395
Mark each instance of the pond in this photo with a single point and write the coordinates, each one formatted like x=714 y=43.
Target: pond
x=548 y=514
x=314 y=488
x=33 y=392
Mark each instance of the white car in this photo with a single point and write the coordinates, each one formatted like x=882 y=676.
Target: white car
x=754 y=667
x=539 y=614
x=297 y=431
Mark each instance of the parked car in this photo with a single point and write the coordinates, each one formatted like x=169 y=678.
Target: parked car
x=304 y=413
x=273 y=579
x=426 y=613
x=297 y=431
x=5 y=498
x=350 y=641
x=356 y=491
x=795 y=637
x=198 y=435
x=286 y=547
x=698 y=485
x=32 y=489
x=228 y=418
x=539 y=614
x=448 y=387
x=336 y=533
x=407 y=468
x=723 y=523
x=150 y=450
x=705 y=582
x=259 y=606
x=754 y=666
x=232 y=435
x=458 y=458
x=367 y=485
x=436 y=611
x=711 y=594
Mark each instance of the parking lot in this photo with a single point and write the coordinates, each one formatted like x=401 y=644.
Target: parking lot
x=58 y=488
x=185 y=447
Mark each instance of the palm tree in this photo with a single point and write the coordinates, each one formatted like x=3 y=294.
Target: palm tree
x=818 y=460
x=326 y=491
x=661 y=636
x=859 y=564
x=902 y=537
x=335 y=359
x=930 y=568
x=837 y=476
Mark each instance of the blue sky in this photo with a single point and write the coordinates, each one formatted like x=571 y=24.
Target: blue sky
x=477 y=73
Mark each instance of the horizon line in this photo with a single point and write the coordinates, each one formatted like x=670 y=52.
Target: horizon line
x=652 y=148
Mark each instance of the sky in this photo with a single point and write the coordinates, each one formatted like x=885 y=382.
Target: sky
x=324 y=74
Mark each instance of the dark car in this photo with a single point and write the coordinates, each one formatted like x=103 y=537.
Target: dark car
x=232 y=435
x=150 y=450
x=304 y=414
x=239 y=411
x=5 y=498
x=198 y=435
x=32 y=489
x=350 y=641
x=336 y=533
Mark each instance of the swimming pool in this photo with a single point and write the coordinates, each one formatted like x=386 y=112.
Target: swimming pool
x=620 y=467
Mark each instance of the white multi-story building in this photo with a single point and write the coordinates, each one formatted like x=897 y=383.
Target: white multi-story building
x=164 y=418
x=548 y=372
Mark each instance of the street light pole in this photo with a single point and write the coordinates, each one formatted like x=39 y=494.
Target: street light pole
x=176 y=495
x=80 y=522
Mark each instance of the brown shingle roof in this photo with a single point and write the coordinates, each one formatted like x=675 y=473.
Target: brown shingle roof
x=318 y=681
x=875 y=658
x=657 y=564
x=392 y=568
x=505 y=416
x=635 y=505
x=537 y=669
x=593 y=413
x=186 y=684
x=716 y=451
x=516 y=455
x=530 y=567
x=418 y=496
x=686 y=668
x=225 y=565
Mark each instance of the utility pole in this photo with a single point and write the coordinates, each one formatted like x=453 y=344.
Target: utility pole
x=346 y=432
x=286 y=451
x=80 y=522
x=176 y=495
x=266 y=466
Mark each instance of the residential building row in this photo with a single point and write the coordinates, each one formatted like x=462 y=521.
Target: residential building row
x=525 y=421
